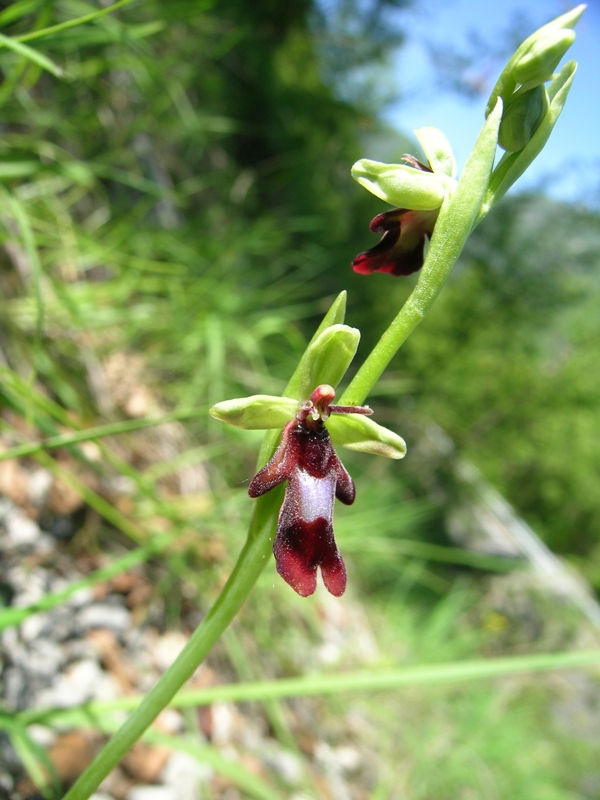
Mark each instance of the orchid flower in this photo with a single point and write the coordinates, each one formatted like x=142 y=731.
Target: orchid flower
x=419 y=190
x=307 y=460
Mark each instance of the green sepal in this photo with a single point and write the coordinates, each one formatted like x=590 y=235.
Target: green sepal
x=357 y=432
x=327 y=358
x=438 y=151
x=257 y=412
x=401 y=185
x=335 y=316
x=512 y=165
x=522 y=117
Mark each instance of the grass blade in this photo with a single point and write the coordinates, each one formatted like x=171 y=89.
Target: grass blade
x=71 y=23
x=32 y=55
x=360 y=681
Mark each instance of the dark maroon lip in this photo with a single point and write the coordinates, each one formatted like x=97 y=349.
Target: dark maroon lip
x=315 y=476
x=401 y=249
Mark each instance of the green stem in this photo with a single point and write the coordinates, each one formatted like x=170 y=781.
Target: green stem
x=249 y=565
x=456 y=219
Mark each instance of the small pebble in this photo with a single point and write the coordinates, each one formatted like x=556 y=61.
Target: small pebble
x=20 y=530
x=184 y=774
x=152 y=793
x=102 y=615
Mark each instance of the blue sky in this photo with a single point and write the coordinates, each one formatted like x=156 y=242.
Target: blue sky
x=569 y=166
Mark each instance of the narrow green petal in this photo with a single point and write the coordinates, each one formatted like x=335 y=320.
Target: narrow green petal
x=357 y=432
x=327 y=358
x=257 y=412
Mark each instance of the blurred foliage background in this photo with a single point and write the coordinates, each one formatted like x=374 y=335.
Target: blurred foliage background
x=177 y=212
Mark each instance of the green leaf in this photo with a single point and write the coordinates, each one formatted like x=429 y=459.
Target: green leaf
x=14 y=615
x=34 y=758
x=357 y=432
x=30 y=54
x=319 y=684
x=19 y=169
x=252 y=785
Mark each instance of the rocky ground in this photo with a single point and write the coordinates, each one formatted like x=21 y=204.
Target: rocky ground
x=110 y=640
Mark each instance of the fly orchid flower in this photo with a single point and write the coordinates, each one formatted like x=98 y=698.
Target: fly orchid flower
x=315 y=475
x=307 y=460
x=419 y=191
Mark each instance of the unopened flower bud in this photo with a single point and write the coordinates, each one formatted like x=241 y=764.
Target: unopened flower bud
x=538 y=64
x=521 y=118
x=536 y=58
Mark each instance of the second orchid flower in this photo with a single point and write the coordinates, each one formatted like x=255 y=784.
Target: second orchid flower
x=418 y=190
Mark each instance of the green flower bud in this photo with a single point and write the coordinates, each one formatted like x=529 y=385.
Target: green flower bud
x=401 y=185
x=538 y=64
x=327 y=358
x=512 y=165
x=258 y=412
x=438 y=151
x=357 y=432
x=544 y=45
x=522 y=117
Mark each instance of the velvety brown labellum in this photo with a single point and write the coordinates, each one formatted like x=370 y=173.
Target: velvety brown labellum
x=306 y=459
x=400 y=251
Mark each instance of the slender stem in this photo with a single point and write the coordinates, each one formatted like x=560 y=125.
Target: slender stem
x=454 y=224
x=249 y=565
